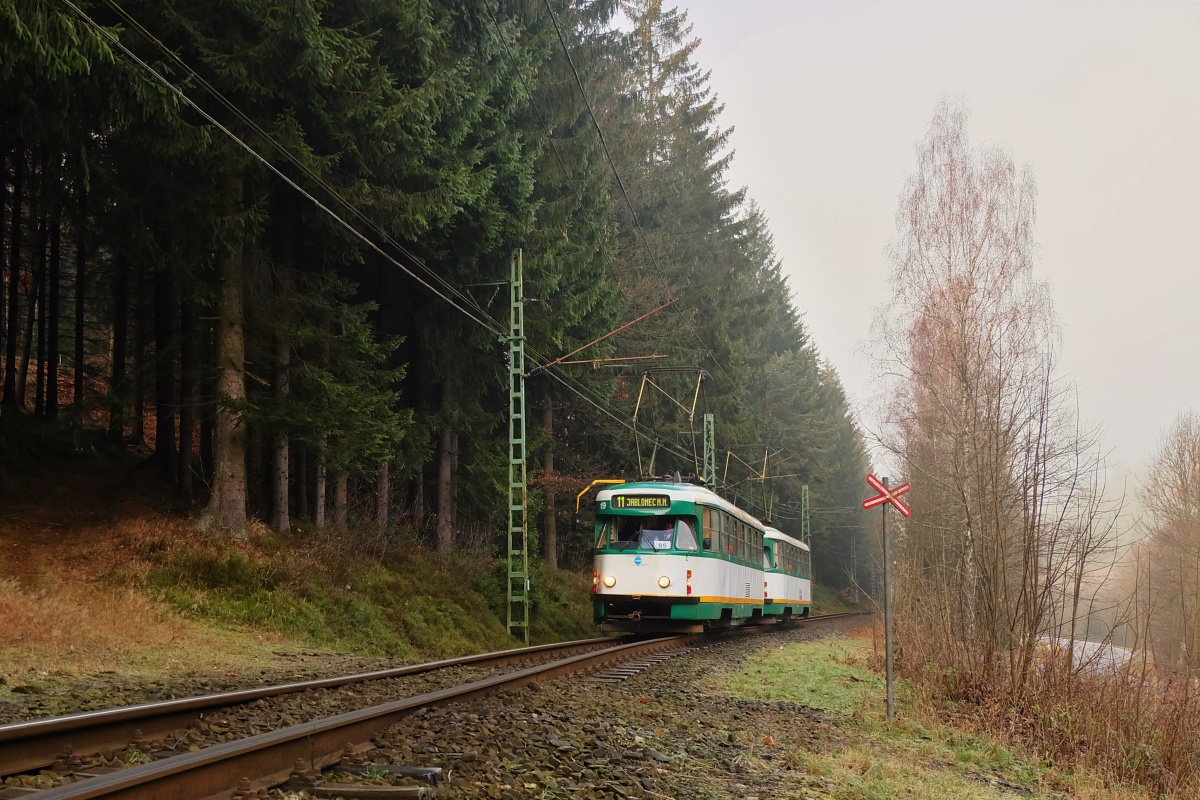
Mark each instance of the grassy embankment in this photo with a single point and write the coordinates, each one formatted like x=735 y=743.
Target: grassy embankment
x=411 y=603
x=99 y=573
x=867 y=757
x=161 y=597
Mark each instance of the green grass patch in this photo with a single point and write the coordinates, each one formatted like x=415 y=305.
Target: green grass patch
x=818 y=674
x=830 y=601
x=868 y=757
x=416 y=605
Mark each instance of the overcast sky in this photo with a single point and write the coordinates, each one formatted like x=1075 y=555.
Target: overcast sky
x=1101 y=97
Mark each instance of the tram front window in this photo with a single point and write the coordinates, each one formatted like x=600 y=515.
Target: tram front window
x=638 y=533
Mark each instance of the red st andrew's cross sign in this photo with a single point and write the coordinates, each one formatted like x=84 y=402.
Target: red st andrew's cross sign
x=887 y=495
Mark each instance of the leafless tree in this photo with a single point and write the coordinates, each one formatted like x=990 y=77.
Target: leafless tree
x=1170 y=495
x=1007 y=523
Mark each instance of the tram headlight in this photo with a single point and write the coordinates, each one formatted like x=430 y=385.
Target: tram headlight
x=664 y=581
x=610 y=581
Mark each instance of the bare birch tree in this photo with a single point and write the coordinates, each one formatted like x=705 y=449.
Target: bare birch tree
x=1006 y=486
x=1170 y=496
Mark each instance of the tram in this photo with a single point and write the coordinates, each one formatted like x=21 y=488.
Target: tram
x=673 y=556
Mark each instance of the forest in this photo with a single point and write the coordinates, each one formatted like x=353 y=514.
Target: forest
x=266 y=246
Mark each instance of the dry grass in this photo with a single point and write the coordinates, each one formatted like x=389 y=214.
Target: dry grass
x=100 y=572
x=1131 y=727
x=67 y=629
x=72 y=596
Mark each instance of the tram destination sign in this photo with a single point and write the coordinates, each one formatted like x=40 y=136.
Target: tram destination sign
x=641 y=501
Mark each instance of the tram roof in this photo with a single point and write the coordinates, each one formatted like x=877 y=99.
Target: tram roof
x=682 y=493
x=775 y=533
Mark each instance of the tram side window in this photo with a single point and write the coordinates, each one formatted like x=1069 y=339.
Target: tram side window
x=793 y=560
x=604 y=534
x=684 y=538
x=712 y=532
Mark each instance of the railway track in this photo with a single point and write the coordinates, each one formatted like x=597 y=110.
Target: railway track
x=294 y=754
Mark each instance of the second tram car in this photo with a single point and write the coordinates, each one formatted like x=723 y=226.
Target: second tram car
x=787 y=564
x=676 y=557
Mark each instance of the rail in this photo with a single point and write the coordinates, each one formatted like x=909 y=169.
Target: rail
x=31 y=745
x=270 y=759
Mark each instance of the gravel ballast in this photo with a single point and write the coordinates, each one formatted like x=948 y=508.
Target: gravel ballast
x=664 y=732
x=661 y=733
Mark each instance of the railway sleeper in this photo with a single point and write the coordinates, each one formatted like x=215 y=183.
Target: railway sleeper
x=312 y=782
x=626 y=671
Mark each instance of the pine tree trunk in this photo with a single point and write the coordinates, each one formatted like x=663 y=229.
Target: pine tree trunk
x=39 y=388
x=139 y=357
x=228 y=501
x=319 y=489
x=80 y=296
x=383 y=497
x=207 y=408
x=258 y=468
x=3 y=206
x=116 y=384
x=53 y=314
x=419 y=498
x=300 y=481
x=445 y=500
x=280 y=523
x=164 y=373
x=35 y=294
x=14 y=280
x=340 y=500
x=187 y=394
x=550 y=537
x=455 y=443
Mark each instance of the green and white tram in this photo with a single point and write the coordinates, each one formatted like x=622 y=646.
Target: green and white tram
x=675 y=557
x=787 y=563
